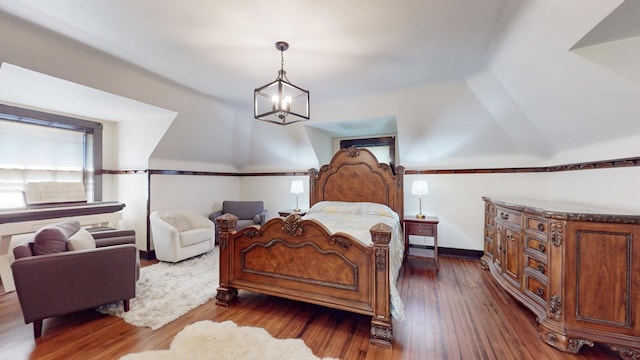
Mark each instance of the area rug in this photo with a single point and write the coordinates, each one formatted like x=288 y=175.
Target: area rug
x=225 y=340
x=166 y=291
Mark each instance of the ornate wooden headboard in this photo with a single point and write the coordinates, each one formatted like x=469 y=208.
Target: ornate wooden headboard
x=355 y=175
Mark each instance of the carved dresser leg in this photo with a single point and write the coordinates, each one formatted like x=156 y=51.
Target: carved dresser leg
x=225 y=296
x=381 y=334
x=626 y=353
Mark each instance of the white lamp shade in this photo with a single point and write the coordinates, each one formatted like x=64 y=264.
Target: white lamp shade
x=297 y=187
x=420 y=187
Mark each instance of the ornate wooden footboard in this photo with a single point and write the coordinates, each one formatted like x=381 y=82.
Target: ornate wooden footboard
x=301 y=260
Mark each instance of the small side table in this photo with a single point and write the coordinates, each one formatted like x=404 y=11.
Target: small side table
x=421 y=227
x=285 y=213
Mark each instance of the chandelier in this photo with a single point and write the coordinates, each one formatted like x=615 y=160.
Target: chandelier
x=280 y=101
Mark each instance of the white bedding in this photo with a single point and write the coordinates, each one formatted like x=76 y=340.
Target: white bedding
x=348 y=218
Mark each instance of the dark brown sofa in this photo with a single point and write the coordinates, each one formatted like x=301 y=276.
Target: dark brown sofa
x=53 y=281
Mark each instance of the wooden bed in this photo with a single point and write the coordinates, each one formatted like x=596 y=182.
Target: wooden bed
x=300 y=260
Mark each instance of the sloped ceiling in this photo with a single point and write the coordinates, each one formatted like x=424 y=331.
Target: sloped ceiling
x=463 y=79
x=226 y=48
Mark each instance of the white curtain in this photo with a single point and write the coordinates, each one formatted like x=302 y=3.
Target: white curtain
x=30 y=153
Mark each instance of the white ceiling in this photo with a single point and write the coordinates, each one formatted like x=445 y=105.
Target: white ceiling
x=337 y=48
x=497 y=77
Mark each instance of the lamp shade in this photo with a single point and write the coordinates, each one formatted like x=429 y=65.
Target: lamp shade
x=297 y=187
x=420 y=187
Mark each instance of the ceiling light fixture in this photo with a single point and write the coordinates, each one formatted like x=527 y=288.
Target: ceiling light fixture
x=280 y=101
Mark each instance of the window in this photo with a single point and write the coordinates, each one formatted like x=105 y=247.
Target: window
x=37 y=146
x=384 y=148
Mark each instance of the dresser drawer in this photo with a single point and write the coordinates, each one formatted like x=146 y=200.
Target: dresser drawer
x=536 y=244
x=489 y=233
x=536 y=265
x=488 y=246
x=535 y=289
x=508 y=216
x=418 y=229
x=490 y=220
x=489 y=208
x=536 y=225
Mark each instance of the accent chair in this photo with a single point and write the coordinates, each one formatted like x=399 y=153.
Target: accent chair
x=65 y=269
x=248 y=213
x=180 y=234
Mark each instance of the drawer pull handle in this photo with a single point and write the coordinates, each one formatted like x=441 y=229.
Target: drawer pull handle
x=541 y=227
x=541 y=247
x=504 y=216
x=539 y=291
x=541 y=268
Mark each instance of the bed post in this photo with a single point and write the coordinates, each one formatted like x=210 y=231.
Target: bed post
x=381 y=327
x=399 y=192
x=226 y=224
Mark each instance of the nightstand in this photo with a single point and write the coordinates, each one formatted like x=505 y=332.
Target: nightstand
x=421 y=227
x=285 y=213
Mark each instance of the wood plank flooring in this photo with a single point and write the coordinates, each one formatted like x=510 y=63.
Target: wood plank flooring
x=457 y=313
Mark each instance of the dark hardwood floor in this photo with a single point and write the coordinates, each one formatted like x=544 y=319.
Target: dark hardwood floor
x=457 y=313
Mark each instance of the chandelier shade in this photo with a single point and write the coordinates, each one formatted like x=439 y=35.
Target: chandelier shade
x=280 y=101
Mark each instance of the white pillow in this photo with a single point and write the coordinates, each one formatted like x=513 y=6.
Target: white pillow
x=178 y=221
x=81 y=240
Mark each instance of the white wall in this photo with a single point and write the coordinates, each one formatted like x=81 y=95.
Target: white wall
x=275 y=192
x=613 y=189
x=200 y=193
x=456 y=199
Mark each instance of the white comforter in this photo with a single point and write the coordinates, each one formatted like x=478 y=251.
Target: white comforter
x=348 y=218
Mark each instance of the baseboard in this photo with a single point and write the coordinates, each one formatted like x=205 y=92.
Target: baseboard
x=148 y=255
x=445 y=251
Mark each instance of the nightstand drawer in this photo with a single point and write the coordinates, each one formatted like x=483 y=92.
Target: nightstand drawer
x=419 y=229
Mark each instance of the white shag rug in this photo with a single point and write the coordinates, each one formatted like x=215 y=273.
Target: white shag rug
x=166 y=291
x=222 y=341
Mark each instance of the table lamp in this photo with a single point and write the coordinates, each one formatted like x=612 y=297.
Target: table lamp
x=297 y=187
x=419 y=188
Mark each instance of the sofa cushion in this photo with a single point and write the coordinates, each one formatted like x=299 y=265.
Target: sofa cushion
x=81 y=240
x=194 y=236
x=241 y=224
x=178 y=221
x=52 y=239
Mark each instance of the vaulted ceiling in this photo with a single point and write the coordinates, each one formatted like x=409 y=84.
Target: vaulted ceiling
x=337 y=48
x=533 y=77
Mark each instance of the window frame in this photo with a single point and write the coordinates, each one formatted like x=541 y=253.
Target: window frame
x=389 y=141
x=34 y=117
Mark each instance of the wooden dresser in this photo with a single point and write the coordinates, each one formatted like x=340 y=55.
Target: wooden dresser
x=577 y=269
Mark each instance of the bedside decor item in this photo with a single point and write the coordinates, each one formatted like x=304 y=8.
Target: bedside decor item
x=281 y=102
x=419 y=188
x=297 y=188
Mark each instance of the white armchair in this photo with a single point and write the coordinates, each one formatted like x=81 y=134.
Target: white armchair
x=180 y=234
